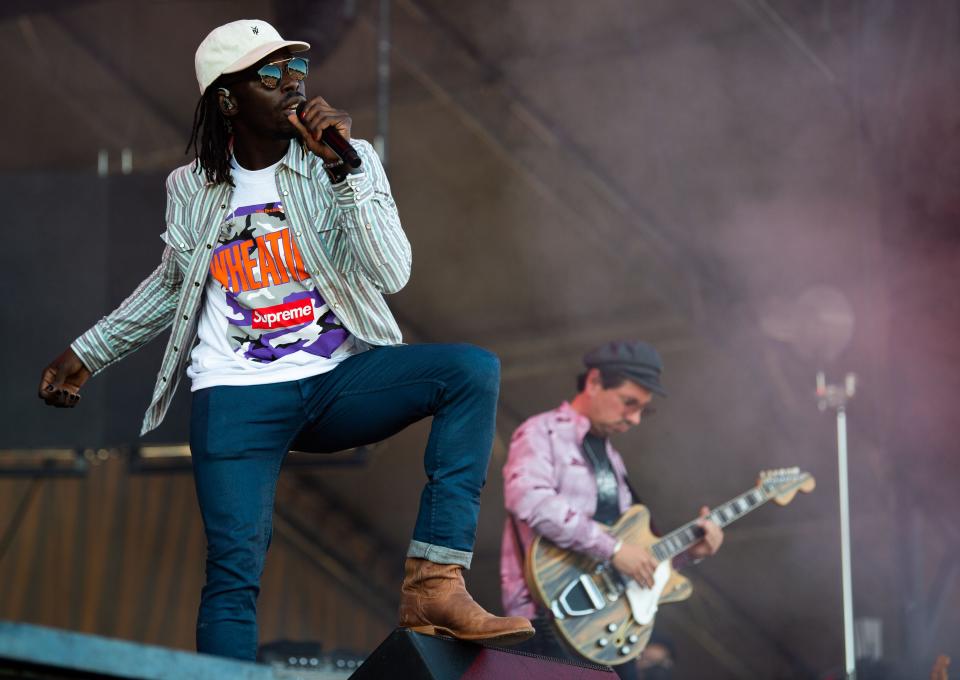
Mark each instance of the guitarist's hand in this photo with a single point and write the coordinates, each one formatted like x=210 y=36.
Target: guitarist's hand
x=636 y=562
x=712 y=537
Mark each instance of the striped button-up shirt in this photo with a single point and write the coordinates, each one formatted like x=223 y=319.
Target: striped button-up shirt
x=349 y=235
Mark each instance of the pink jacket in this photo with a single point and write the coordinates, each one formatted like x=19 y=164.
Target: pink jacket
x=550 y=489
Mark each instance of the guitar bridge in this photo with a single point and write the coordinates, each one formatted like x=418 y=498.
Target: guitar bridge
x=562 y=606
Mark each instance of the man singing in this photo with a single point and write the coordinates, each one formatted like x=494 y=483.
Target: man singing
x=277 y=258
x=564 y=480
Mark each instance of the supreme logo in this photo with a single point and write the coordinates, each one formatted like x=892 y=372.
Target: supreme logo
x=283 y=316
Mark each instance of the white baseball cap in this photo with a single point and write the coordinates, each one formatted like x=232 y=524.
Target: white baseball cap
x=237 y=45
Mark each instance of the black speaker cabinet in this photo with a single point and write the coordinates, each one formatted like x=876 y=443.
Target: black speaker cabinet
x=411 y=656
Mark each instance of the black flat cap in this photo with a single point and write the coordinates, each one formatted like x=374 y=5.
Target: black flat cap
x=634 y=360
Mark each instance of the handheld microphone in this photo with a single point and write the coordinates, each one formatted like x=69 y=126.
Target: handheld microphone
x=335 y=142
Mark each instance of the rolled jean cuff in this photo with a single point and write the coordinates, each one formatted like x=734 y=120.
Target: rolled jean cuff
x=439 y=554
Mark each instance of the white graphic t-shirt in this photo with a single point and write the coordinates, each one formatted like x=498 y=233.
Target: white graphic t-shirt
x=263 y=320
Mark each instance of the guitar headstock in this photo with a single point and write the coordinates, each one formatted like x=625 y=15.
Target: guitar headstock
x=783 y=484
x=939 y=671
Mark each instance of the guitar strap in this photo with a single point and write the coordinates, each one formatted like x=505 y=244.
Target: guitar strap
x=516 y=538
x=639 y=501
x=540 y=612
x=633 y=492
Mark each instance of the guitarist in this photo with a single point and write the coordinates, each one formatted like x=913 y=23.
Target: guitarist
x=565 y=481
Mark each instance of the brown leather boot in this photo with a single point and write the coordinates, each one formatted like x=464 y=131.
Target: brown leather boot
x=435 y=601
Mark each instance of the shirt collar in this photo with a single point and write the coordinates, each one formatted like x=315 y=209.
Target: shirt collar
x=298 y=159
x=580 y=421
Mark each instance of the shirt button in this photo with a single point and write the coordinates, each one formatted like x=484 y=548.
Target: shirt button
x=368 y=226
x=183 y=245
x=336 y=305
x=163 y=379
x=286 y=193
x=196 y=283
x=176 y=349
x=209 y=246
x=223 y=206
x=185 y=317
x=298 y=232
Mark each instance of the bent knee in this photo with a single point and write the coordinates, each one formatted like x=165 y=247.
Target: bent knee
x=478 y=366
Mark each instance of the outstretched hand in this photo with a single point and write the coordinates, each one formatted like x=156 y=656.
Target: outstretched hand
x=62 y=379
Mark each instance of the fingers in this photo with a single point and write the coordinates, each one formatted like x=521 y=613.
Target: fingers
x=707 y=524
x=317 y=101
x=65 y=399
x=60 y=397
x=646 y=569
x=54 y=389
x=645 y=578
x=714 y=538
x=305 y=134
x=60 y=374
x=311 y=127
x=638 y=563
x=46 y=382
x=318 y=115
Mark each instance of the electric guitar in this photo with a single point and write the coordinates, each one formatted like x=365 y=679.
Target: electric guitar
x=606 y=616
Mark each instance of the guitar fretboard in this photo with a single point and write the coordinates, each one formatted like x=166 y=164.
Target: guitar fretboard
x=679 y=540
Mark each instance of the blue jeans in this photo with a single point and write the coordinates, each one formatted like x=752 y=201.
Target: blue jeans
x=239 y=437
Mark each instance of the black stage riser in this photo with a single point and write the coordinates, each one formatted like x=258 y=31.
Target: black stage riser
x=411 y=656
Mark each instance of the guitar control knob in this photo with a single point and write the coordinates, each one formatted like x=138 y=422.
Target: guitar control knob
x=603 y=642
x=611 y=627
x=633 y=639
x=624 y=650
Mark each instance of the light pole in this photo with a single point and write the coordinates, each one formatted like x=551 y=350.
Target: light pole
x=835 y=397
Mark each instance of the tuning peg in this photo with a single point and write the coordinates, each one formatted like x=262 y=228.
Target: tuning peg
x=850 y=385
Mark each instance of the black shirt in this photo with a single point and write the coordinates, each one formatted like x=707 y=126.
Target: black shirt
x=608 y=492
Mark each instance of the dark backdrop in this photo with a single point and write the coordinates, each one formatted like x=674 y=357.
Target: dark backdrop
x=77 y=244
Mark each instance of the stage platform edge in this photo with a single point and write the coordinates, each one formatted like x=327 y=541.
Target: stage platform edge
x=66 y=654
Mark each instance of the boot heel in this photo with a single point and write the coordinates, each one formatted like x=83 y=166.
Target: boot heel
x=426 y=630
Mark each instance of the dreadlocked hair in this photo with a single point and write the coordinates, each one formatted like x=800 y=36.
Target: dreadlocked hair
x=210 y=139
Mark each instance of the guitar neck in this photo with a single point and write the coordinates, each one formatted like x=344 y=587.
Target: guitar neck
x=683 y=538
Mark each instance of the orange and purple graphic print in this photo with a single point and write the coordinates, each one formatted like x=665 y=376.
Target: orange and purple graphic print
x=274 y=310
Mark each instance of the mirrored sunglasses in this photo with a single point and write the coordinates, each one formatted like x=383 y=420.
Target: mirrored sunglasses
x=271 y=74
